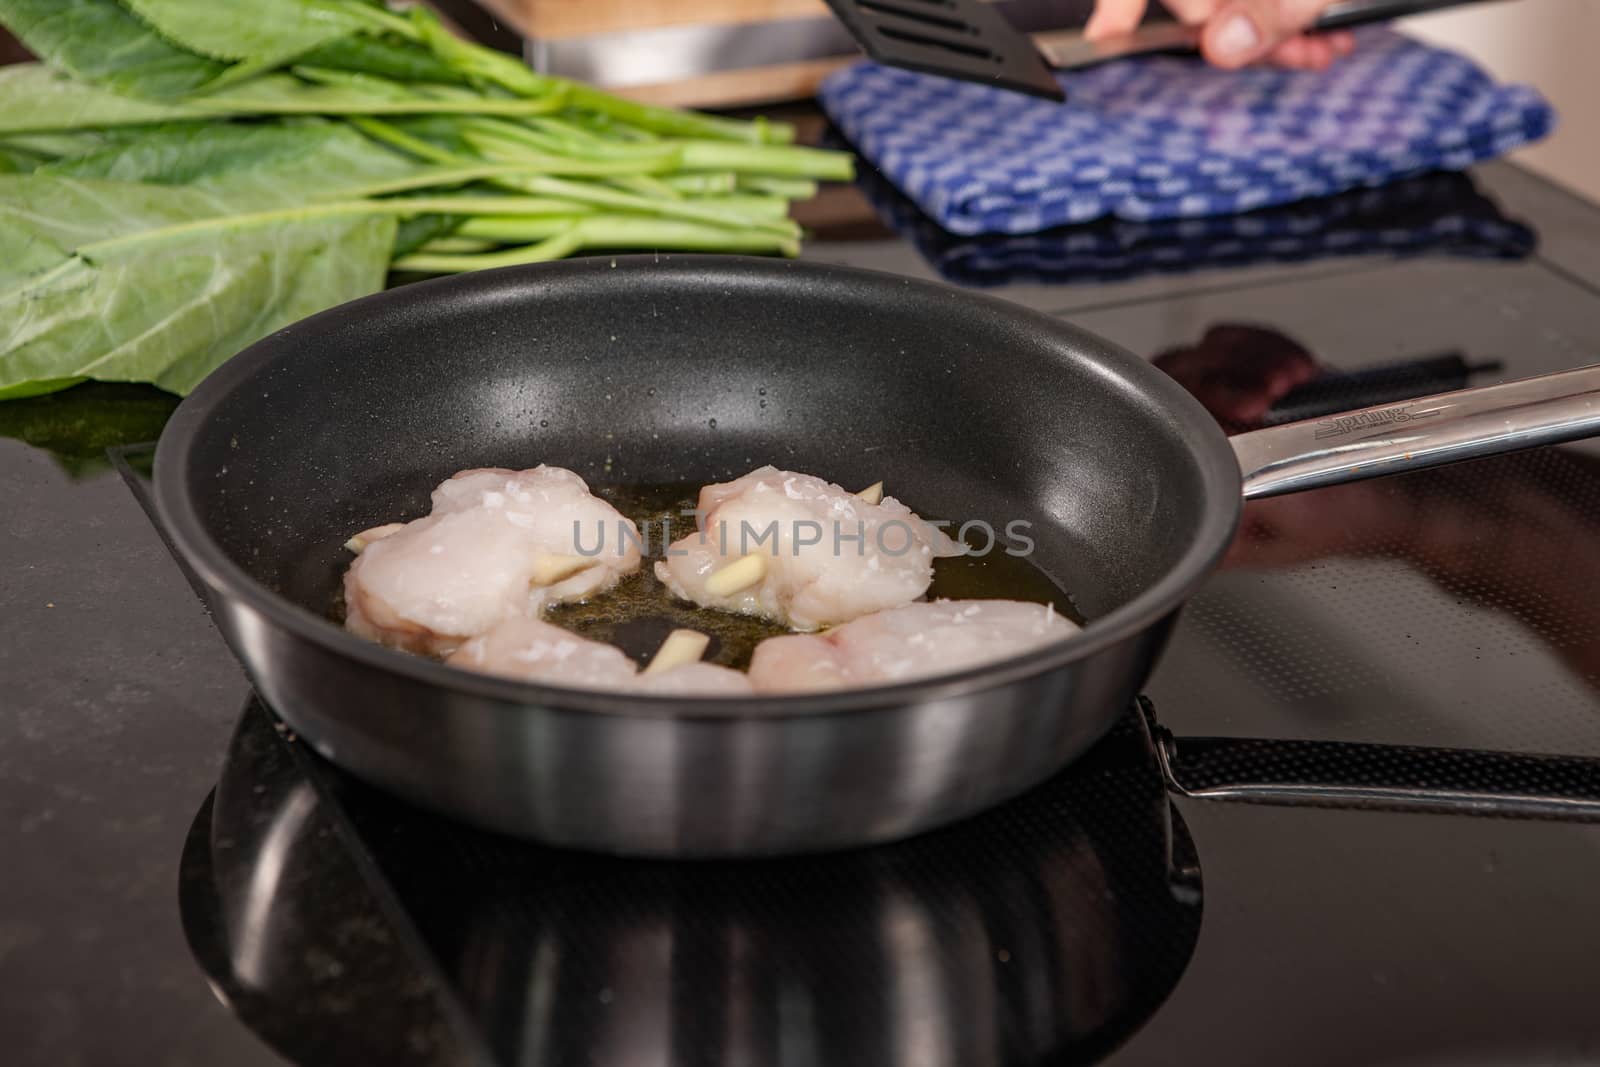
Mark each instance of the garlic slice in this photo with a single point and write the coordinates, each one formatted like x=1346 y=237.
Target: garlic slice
x=680 y=647
x=741 y=574
x=548 y=570
x=358 y=544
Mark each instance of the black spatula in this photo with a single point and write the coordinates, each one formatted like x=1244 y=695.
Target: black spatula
x=965 y=39
x=971 y=40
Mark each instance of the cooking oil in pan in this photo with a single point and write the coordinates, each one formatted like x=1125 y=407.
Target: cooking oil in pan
x=638 y=614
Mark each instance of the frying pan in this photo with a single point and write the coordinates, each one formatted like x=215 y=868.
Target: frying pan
x=651 y=370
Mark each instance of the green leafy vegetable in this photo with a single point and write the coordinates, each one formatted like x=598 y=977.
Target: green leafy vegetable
x=185 y=176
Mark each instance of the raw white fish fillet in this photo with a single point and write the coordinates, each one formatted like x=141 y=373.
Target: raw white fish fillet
x=771 y=513
x=914 y=641
x=534 y=651
x=484 y=554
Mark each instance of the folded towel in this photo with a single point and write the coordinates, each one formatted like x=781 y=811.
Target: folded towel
x=1439 y=214
x=1165 y=137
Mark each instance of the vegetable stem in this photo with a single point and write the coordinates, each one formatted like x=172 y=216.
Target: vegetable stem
x=381 y=19
x=558 y=247
x=785 y=160
x=626 y=231
x=644 y=185
x=509 y=151
x=599 y=231
x=682 y=209
x=703 y=183
x=788 y=188
x=527 y=206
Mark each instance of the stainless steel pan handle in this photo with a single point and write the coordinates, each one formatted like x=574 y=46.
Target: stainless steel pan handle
x=1426 y=432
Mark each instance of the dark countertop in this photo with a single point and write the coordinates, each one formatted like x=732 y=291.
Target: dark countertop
x=1329 y=936
x=118 y=701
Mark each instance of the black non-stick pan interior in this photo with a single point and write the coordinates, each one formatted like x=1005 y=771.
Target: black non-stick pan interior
x=644 y=371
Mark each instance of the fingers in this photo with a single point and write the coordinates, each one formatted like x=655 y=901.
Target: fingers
x=1343 y=42
x=1313 y=53
x=1236 y=32
x=1302 y=53
x=1113 y=18
x=1244 y=31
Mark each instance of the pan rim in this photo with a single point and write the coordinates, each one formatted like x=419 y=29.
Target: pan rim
x=179 y=515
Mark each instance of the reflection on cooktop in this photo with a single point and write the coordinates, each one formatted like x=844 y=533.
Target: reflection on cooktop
x=1049 y=928
x=1454 y=606
x=280 y=918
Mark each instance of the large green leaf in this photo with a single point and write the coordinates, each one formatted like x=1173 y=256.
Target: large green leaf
x=71 y=144
x=140 y=281
x=184 y=152
x=263 y=32
x=169 y=178
x=178 y=281
x=280 y=163
x=44 y=218
x=100 y=42
x=359 y=94
x=38 y=387
x=34 y=98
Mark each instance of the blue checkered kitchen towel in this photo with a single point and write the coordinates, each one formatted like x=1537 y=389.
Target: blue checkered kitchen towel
x=1167 y=137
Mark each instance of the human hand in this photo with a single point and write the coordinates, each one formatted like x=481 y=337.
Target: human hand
x=1234 y=33
x=1237 y=371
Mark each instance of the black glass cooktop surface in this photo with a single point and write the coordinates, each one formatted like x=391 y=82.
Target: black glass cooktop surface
x=1105 y=917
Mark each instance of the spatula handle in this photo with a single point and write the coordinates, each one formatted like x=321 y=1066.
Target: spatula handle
x=1350 y=13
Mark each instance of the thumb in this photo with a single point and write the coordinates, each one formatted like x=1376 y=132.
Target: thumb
x=1243 y=31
